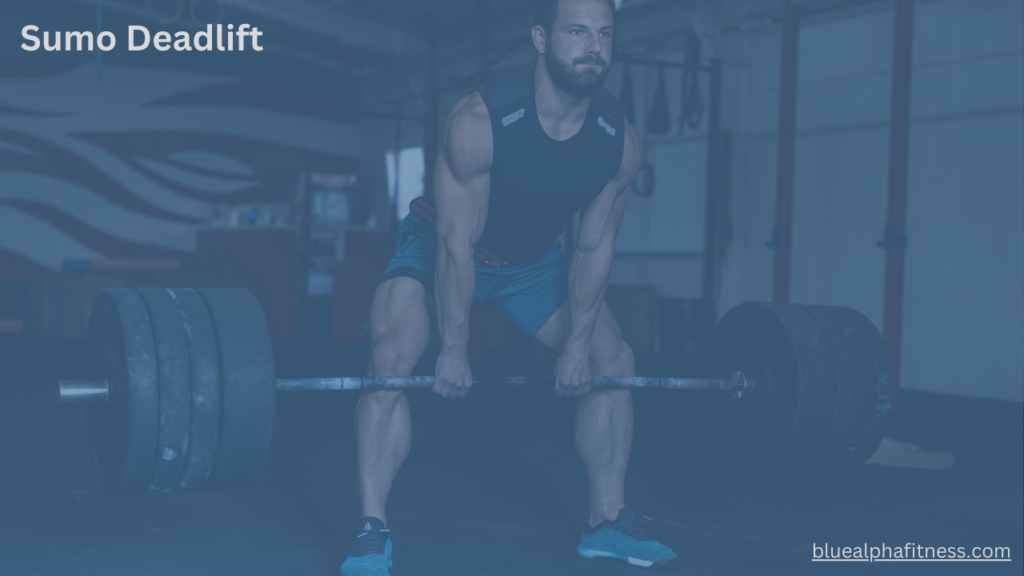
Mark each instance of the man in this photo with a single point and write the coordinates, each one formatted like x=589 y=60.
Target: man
x=521 y=155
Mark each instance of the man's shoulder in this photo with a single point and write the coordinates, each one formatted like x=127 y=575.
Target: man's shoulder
x=506 y=90
x=468 y=136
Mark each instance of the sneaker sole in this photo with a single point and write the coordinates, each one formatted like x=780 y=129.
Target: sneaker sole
x=594 y=554
x=388 y=573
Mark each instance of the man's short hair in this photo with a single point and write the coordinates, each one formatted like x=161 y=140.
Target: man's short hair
x=545 y=12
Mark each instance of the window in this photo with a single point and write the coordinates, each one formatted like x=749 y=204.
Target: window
x=411 y=172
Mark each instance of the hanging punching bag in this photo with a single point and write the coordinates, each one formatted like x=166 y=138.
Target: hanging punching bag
x=693 y=105
x=659 y=121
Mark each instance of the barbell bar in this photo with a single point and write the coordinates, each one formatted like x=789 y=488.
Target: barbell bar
x=181 y=391
x=98 y=391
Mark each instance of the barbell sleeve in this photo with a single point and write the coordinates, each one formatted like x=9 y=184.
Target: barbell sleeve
x=82 y=392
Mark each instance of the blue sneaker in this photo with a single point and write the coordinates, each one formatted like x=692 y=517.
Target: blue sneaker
x=371 y=550
x=625 y=539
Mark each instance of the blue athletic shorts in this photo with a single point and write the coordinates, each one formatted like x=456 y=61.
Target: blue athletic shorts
x=528 y=294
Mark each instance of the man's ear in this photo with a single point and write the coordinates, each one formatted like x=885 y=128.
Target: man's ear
x=539 y=38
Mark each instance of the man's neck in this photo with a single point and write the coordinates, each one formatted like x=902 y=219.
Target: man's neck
x=560 y=114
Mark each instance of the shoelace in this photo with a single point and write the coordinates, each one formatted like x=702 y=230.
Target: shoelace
x=635 y=527
x=368 y=543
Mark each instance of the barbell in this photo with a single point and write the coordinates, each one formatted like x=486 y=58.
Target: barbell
x=181 y=390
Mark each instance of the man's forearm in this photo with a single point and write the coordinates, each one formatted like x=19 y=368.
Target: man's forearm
x=454 y=286
x=588 y=277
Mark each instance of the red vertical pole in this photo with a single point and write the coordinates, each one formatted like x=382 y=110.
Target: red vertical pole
x=483 y=14
x=781 y=239
x=430 y=137
x=713 y=185
x=895 y=240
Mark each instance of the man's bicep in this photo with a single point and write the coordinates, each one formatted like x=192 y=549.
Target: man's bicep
x=461 y=201
x=462 y=178
x=602 y=217
x=632 y=158
x=600 y=220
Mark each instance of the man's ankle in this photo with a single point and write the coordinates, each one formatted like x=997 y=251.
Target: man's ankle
x=378 y=516
x=599 y=516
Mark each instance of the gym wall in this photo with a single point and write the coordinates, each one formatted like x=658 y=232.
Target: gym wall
x=661 y=241
x=963 y=312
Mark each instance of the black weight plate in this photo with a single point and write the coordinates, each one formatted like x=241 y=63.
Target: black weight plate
x=248 y=386
x=874 y=386
x=832 y=449
x=175 y=388
x=204 y=362
x=782 y=352
x=123 y=432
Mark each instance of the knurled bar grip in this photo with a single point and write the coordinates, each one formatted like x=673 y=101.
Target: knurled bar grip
x=315 y=384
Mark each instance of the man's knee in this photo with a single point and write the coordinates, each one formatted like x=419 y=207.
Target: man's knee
x=385 y=360
x=382 y=398
x=389 y=359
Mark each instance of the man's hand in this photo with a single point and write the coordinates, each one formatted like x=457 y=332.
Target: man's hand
x=572 y=373
x=452 y=375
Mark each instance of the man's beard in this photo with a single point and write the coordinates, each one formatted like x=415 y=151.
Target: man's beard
x=573 y=83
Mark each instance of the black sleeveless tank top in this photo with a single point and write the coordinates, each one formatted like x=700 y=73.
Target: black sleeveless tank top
x=537 y=183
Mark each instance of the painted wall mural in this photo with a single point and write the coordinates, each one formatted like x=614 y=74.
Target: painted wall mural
x=132 y=162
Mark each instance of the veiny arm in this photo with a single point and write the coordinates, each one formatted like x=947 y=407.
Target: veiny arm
x=461 y=187
x=591 y=262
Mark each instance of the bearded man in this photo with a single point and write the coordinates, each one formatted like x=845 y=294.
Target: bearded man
x=520 y=156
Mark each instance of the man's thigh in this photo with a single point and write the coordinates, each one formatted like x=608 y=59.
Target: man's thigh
x=400 y=320
x=607 y=341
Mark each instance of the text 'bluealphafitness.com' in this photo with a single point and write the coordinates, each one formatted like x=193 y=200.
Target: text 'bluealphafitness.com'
x=909 y=552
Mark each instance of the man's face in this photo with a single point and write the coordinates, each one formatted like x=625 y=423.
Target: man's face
x=578 y=48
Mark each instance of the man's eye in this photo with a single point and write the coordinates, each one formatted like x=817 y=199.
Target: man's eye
x=576 y=32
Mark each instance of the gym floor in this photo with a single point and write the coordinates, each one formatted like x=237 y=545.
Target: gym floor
x=493 y=487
